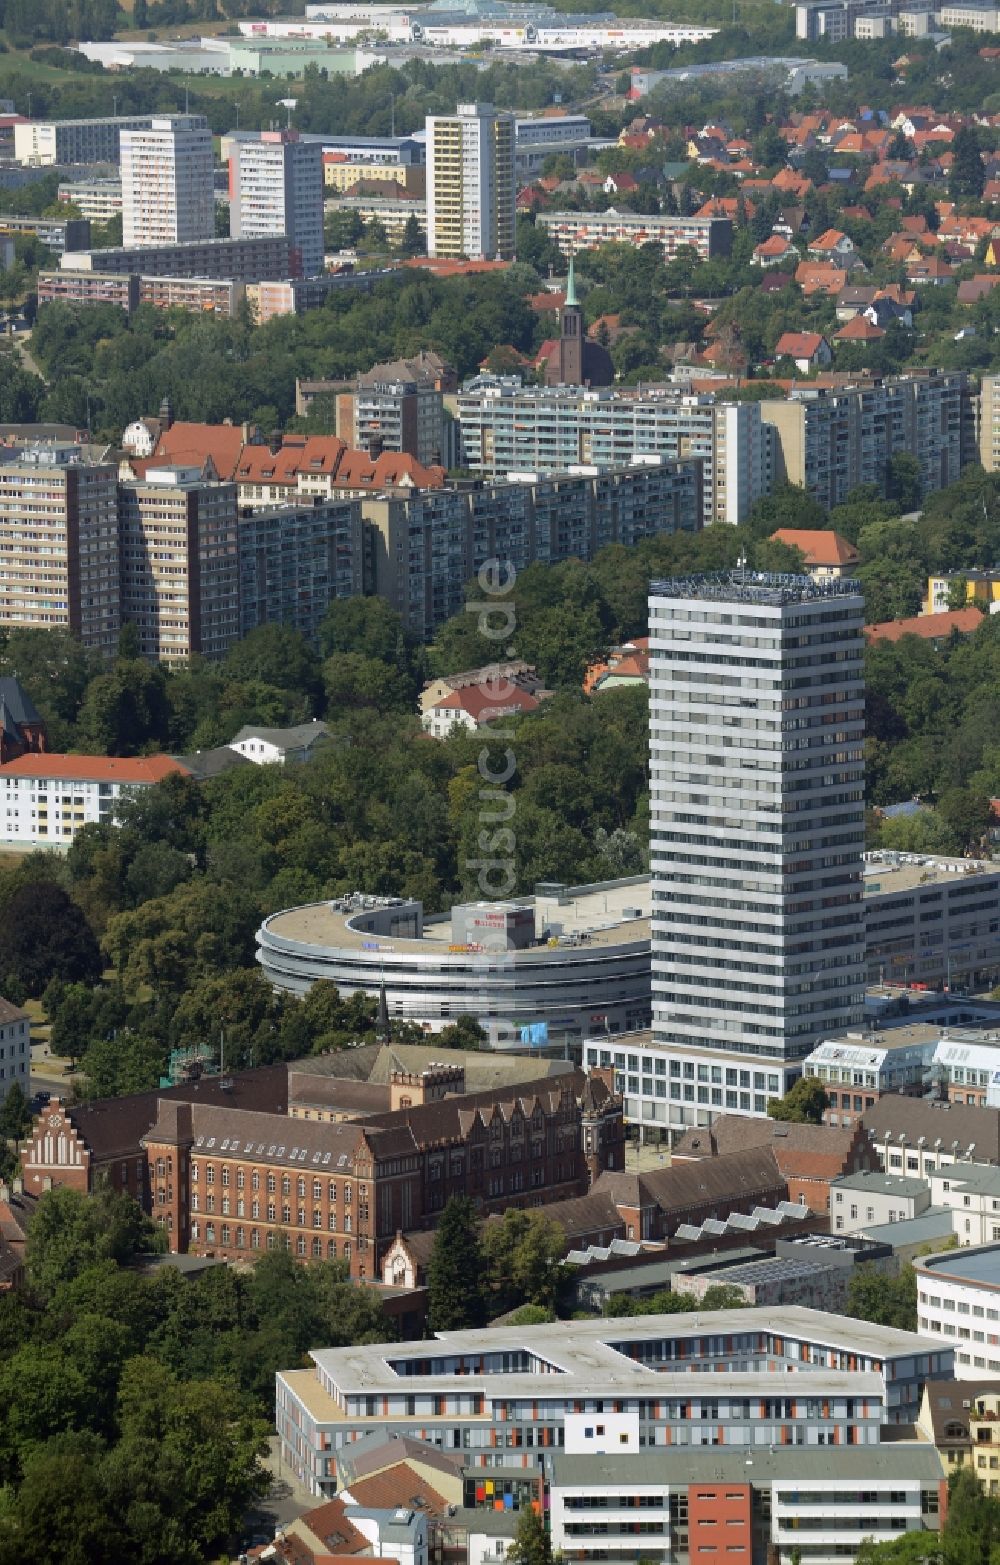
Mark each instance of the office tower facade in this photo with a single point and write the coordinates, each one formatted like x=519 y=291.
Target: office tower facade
x=168 y=196
x=59 y=544
x=276 y=187
x=757 y=828
x=470 y=183
x=179 y=563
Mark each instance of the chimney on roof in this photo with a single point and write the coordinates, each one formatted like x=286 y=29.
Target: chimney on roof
x=166 y=413
x=376 y=445
x=274 y=442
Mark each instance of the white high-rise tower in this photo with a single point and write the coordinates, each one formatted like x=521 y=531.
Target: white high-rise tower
x=276 y=187
x=757 y=826
x=168 y=195
x=470 y=183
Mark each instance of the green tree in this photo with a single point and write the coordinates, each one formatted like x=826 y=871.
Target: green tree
x=44 y=935
x=69 y=1231
x=523 y=1252
x=275 y=655
x=906 y=481
x=412 y=241
x=463 y=1033
x=59 y=1514
x=968 y=175
x=968 y=817
x=456 y=1270
x=531 y=1545
x=15 y=1114
x=887 y=1301
x=803 y=1104
x=958 y=593
x=191 y=1449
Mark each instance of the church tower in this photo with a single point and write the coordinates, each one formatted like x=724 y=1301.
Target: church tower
x=571 y=335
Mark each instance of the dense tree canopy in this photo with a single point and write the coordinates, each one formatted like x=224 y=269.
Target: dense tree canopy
x=456 y=1296
x=136 y=1406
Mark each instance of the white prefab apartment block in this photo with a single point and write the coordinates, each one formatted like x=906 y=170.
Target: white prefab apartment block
x=470 y=183
x=73 y=141
x=45 y=799
x=168 y=195
x=508 y=427
x=276 y=187
x=757 y=827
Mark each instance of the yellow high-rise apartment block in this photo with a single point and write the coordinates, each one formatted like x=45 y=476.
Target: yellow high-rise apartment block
x=470 y=184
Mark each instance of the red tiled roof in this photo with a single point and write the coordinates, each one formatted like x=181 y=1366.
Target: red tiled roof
x=929 y=626
x=819 y=546
x=483 y=702
x=311 y=454
x=777 y=244
x=397 y=1486
x=192 y=443
x=327 y=456
x=443 y=266
x=95 y=768
x=820 y=277
x=389 y=471
x=860 y=329
x=828 y=240
x=797 y=344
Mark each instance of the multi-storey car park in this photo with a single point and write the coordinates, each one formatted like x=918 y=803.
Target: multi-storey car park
x=516 y=1395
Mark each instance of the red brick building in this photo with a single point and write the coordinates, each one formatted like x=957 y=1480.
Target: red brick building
x=808 y=1157
x=231 y=1183
x=653 y=1205
x=22 y=729
x=227 y=1171
x=81 y=1143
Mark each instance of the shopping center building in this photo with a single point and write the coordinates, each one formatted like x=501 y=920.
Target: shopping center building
x=550 y=968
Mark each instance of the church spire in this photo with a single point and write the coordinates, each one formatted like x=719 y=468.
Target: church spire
x=571 y=298
x=382 y=1028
